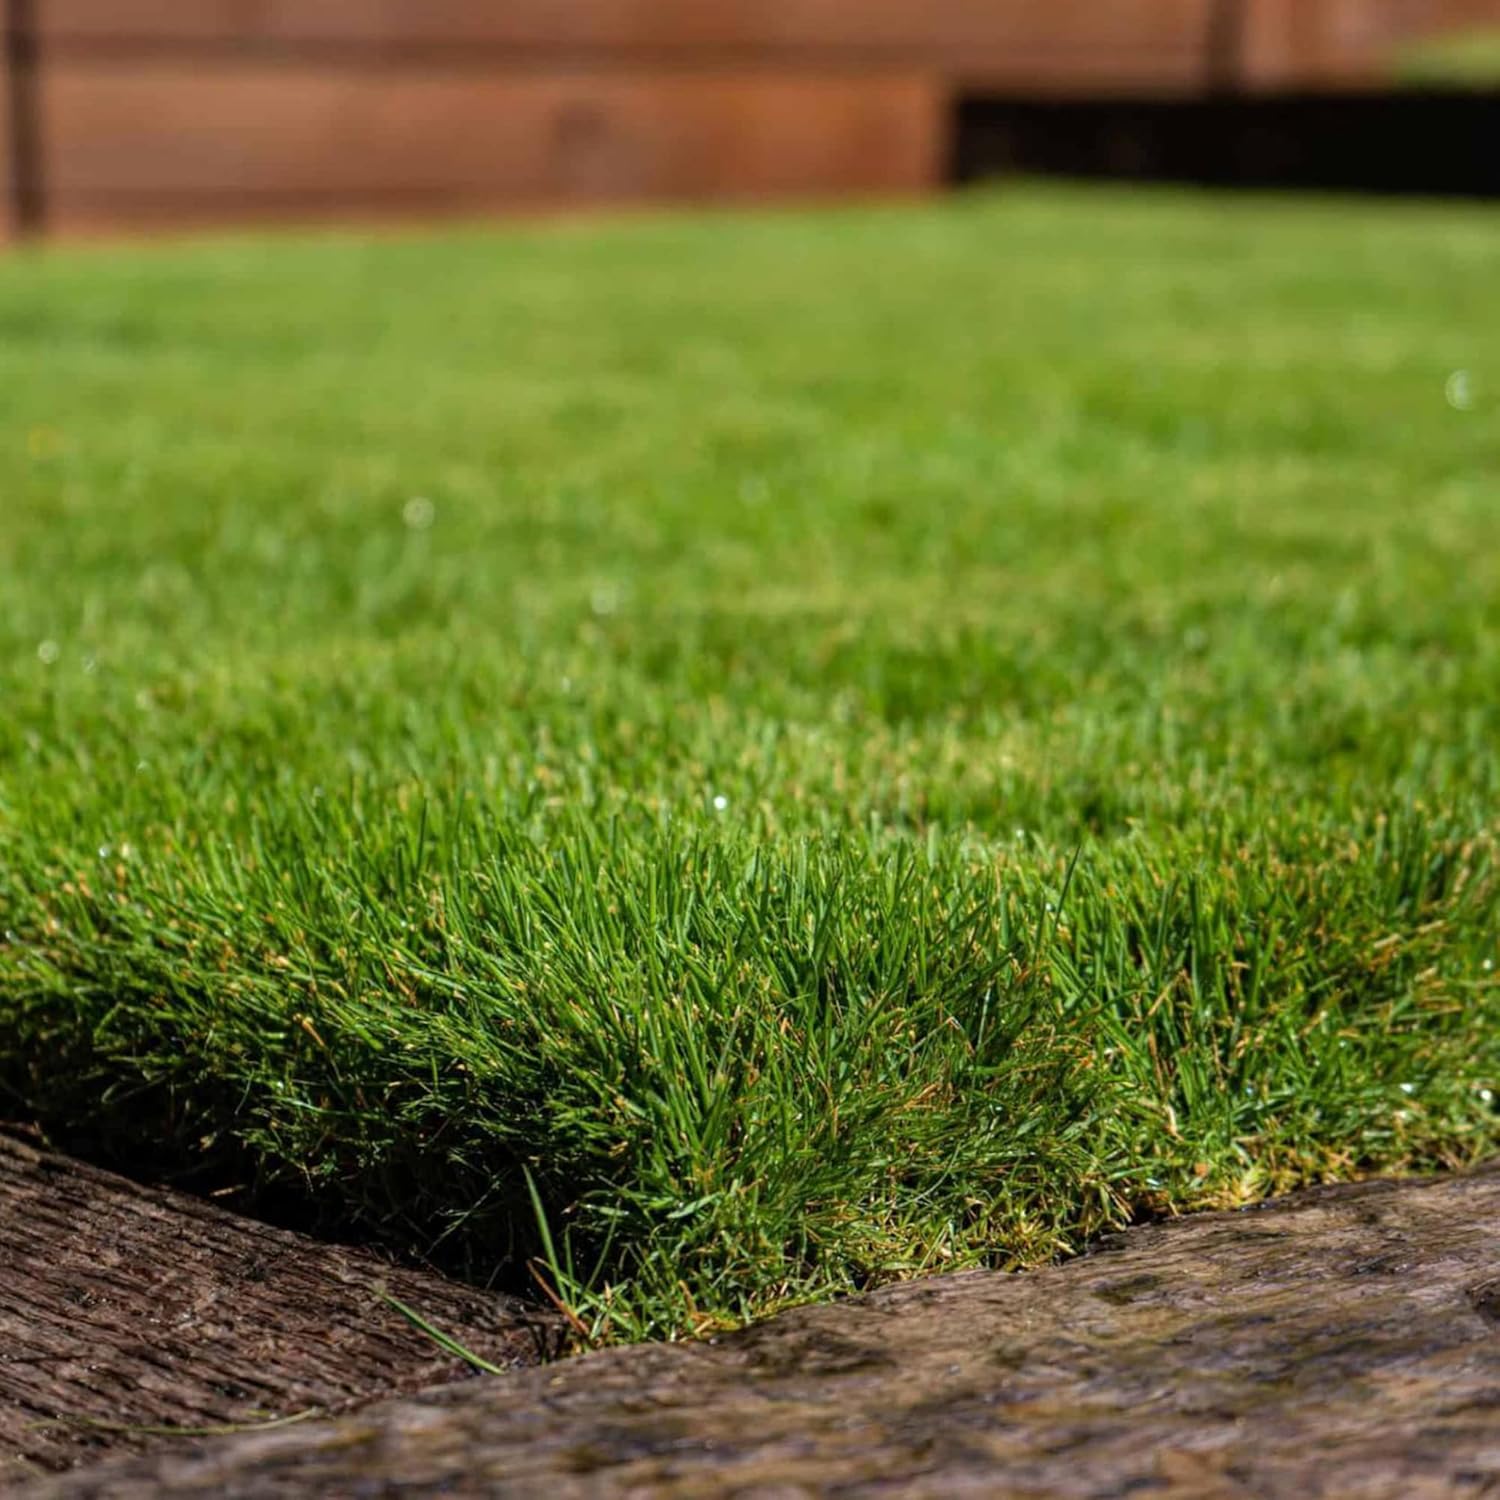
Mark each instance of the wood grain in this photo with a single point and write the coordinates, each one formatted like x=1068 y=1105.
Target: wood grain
x=7 y=148
x=8 y=204
x=164 y=112
x=128 y=1306
x=1345 y=1342
x=240 y=140
x=1125 y=27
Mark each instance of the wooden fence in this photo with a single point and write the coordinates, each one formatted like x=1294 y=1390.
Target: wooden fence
x=137 y=113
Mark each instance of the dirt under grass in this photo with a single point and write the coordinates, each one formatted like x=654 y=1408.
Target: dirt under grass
x=738 y=758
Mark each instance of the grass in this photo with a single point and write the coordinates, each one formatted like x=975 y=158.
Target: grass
x=718 y=761
x=1459 y=59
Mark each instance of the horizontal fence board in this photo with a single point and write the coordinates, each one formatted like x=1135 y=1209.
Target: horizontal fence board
x=1140 y=38
x=130 y=144
x=1105 y=73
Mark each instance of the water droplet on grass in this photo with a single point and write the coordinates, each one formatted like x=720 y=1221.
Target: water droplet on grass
x=721 y=802
x=48 y=652
x=419 y=513
x=1460 y=391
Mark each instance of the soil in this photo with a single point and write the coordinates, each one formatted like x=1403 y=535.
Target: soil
x=125 y=1308
x=1342 y=1342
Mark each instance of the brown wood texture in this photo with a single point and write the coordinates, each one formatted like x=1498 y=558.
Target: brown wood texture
x=132 y=143
x=1341 y=1343
x=154 y=111
x=125 y=1307
x=7 y=145
x=1037 y=44
x=1129 y=46
x=1311 y=44
x=1129 y=30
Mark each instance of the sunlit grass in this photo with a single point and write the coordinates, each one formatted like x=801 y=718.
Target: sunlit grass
x=1467 y=58
x=812 y=748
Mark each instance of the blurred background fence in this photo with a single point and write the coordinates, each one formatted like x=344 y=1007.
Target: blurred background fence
x=134 y=114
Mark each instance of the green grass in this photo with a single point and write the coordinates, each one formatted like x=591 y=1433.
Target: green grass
x=1461 y=59
x=811 y=747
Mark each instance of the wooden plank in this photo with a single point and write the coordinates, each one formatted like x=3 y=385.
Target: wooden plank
x=679 y=24
x=1342 y=1342
x=126 y=1306
x=125 y=145
x=1048 y=43
x=7 y=143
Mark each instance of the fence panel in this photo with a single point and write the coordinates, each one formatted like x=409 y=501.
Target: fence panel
x=236 y=109
x=242 y=140
x=1129 y=31
x=8 y=206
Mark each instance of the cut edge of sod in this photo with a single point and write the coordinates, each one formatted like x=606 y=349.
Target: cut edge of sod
x=680 y=1082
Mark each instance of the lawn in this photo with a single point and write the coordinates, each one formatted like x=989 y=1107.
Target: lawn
x=1455 y=59
x=712 y=761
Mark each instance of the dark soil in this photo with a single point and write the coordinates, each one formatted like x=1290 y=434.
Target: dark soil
x=1344 y=1342
x=123 y=1307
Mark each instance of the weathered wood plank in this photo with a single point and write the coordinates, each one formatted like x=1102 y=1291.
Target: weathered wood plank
x=7 y=187
x=125 y=1306
x=1142 y=27
x=8 y=65
x=1130 y=46
x=243 y=141
x=1345 y=1342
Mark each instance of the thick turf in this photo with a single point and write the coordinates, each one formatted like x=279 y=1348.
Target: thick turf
x=809 y=747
